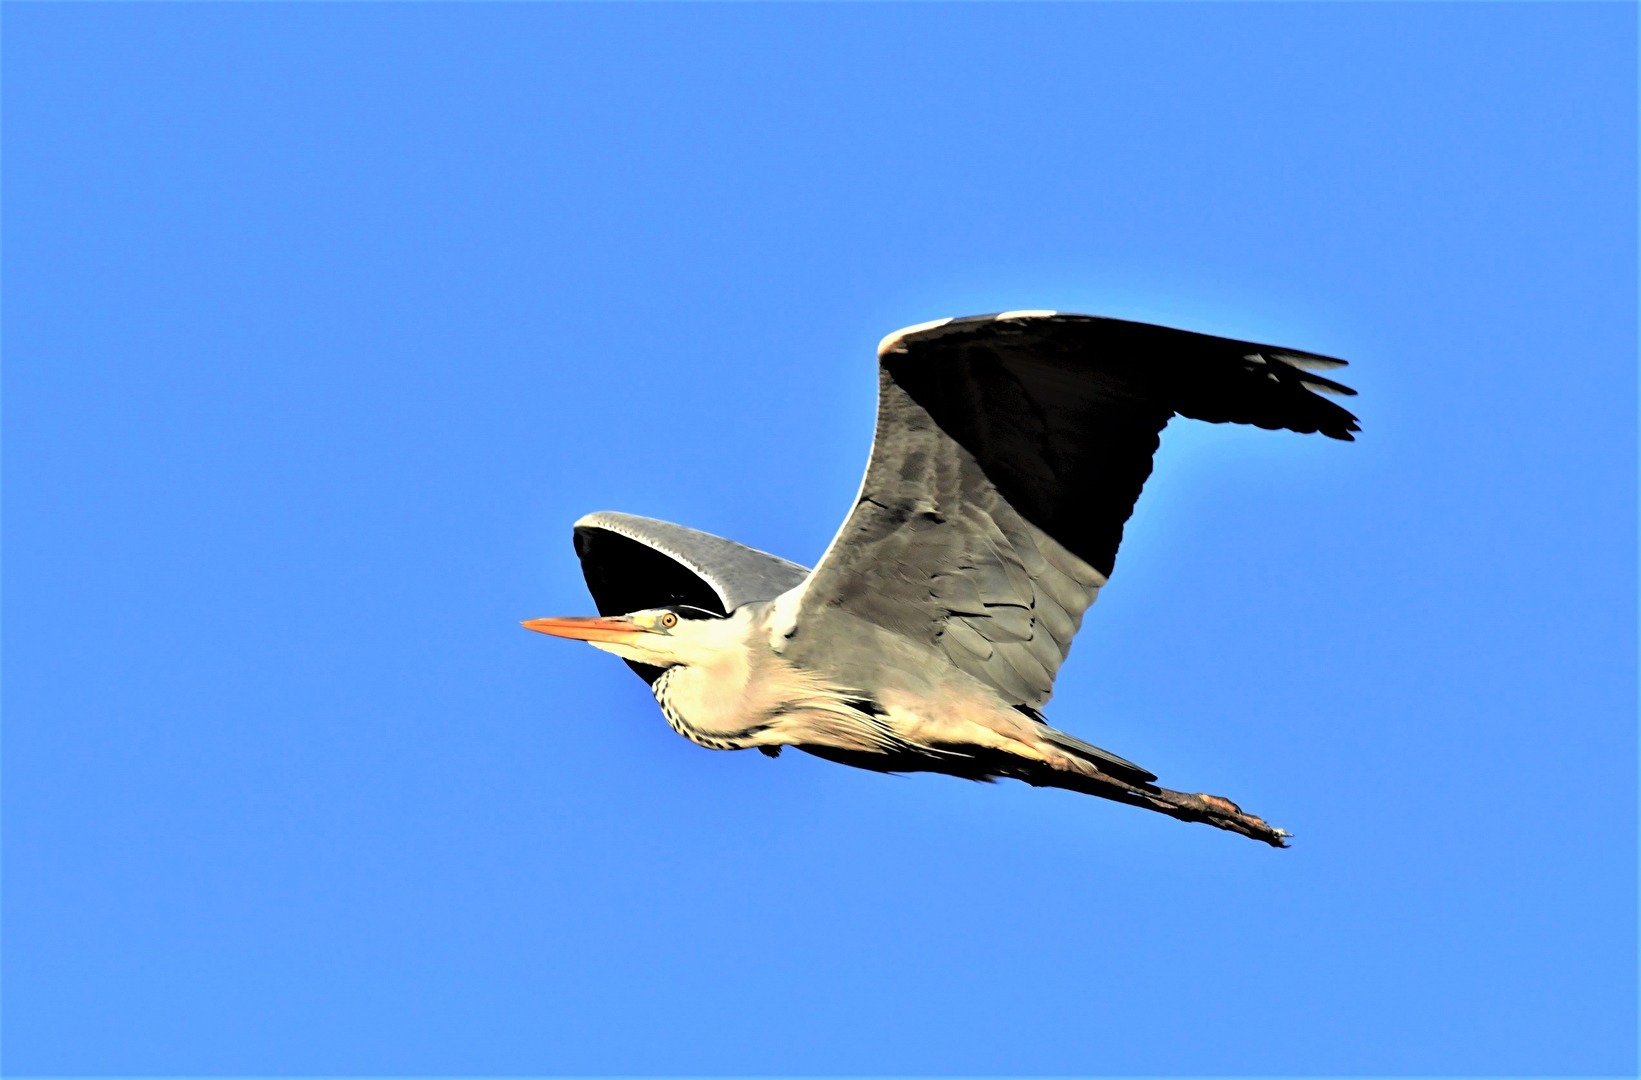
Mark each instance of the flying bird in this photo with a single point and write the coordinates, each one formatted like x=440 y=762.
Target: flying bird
x=1010 y=450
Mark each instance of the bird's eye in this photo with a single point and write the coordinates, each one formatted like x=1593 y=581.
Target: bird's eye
x=668 y=621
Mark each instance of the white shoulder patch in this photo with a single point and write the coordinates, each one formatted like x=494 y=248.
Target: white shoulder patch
x=1024 y=315
x=782 y=617
x=893 y=340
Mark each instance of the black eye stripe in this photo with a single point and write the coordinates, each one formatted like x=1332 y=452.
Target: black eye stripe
x=685 y=611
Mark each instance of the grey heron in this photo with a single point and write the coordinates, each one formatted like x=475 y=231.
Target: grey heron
x=1010 y=450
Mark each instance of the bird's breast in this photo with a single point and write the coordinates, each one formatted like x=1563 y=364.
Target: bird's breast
x=704 y=710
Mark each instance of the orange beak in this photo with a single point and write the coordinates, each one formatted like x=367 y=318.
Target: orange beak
x=598 y=628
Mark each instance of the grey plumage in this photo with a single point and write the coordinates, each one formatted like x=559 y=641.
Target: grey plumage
x=633 y=562
x=607 y=543
x=1009 y=452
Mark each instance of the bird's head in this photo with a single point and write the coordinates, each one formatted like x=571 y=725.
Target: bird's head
x=661 y=637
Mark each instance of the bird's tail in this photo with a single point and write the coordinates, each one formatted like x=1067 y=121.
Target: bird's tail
x=1104 y=760
x=1093 y=771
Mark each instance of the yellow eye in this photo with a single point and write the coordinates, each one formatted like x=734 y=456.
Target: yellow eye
x=668 y=621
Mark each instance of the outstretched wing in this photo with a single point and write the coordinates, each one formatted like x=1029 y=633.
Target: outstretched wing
x=1010 y=450
x=632 y=563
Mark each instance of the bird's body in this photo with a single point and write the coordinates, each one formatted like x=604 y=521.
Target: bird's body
x=750 y=695
x=1009 y=451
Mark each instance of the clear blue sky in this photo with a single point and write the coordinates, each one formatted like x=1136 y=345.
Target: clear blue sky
x=323 y=323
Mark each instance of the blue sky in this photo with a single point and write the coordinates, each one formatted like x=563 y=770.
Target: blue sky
x=323 y=323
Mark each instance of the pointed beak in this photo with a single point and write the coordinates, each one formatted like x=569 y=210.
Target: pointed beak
x=599 y=628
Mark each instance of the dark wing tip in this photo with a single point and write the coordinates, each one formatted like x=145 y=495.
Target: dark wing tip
x=1216 y=379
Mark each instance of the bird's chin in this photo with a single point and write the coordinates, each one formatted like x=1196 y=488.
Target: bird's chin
x=626 y=652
